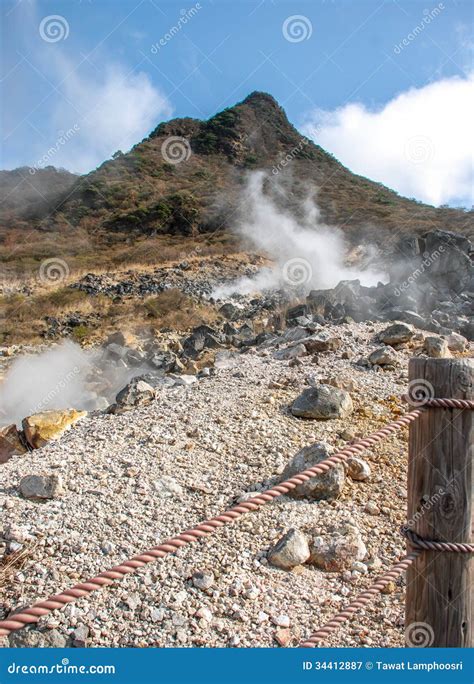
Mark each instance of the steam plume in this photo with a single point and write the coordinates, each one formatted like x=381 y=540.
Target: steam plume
x=307 y=253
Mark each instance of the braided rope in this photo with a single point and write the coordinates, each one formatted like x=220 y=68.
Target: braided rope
x=361 y=601
x=36 y=611
x=428 y=545
x=449 y=403
x=439 y=403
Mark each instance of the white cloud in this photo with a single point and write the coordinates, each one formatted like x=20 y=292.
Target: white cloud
x=420 y=143
x=111 y=110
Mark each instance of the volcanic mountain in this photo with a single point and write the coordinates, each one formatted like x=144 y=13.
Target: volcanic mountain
x=146 y=191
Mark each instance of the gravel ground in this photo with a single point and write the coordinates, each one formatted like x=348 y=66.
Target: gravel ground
x=227 y=435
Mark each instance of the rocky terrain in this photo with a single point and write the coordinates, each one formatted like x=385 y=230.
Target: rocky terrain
x=176 y=448
x=148 y=382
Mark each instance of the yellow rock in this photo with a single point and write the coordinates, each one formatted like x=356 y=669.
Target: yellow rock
x=41 y=428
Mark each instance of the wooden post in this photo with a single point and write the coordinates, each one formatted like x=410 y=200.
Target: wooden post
x=439 y=600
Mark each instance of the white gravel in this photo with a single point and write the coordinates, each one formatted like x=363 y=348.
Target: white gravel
x=219 y=439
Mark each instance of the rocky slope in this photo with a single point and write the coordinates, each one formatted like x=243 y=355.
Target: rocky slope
x=185 y=178
x=122 y=481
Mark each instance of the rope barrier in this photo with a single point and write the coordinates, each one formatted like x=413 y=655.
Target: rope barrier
x=427 y=545
x=362 y=600
x=33 y=613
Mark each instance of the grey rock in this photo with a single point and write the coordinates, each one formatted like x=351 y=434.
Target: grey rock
x=136 y=393
x=456 y=342
x=291 y=550
x=40 y=487
x=293 y=352
x=166 y=487
x=384 y=356
x=203 y=580
x=358 y=469
x=326 y=486
x=323 y=343
x=33 y=638
x=436 y=347
x=322 y=402
x=337 y=549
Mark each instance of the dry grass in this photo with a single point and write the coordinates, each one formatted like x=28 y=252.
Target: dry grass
x=174 y=309
x=14 y=562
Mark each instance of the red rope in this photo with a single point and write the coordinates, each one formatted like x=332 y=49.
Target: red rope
x=37 y=610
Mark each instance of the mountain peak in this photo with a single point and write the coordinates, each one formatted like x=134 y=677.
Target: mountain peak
x=259 y=98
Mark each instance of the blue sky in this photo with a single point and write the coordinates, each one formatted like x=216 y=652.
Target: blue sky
x=383 y=85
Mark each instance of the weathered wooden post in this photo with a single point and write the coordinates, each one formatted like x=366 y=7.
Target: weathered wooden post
x=439 y=602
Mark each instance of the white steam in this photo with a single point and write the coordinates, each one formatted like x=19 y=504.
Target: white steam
x=307 y=253
x=65 y=376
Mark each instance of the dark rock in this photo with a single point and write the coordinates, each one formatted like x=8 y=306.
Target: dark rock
x=137 y=393
x=322 y=402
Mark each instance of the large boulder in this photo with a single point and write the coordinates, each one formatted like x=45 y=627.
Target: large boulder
x=11 y=443
x=456 y=342
x=439 y=259
x=322 y=402
x=326 y=486
x=336 y=549
x=47 y=426
x=293 y=352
